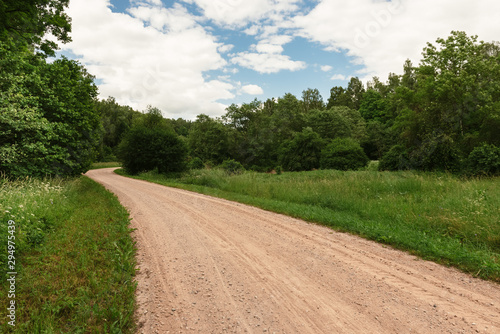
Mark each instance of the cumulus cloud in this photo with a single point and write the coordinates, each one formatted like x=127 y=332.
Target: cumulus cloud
x=267 y=62
x=381 y=35
x=154 y=56
x=326 y=68
x=238 y=13
x=252 y=90
x=338 y=77
x=268 y=57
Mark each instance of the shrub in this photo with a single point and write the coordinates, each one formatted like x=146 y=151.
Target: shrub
x=303 y=152
x=232 y=167
x=145 y=149
x=436 y=152
x=343 y=154
x=196 y=163
x=279 y=170
x=484 y=160
x=395 y=159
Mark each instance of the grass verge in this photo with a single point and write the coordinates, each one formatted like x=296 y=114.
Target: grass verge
x=98 y=165
x=75 y=258
x=438 y=217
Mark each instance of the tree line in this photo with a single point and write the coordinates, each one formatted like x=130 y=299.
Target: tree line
x=443 y=114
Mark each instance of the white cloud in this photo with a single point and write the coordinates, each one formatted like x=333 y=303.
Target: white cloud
x=326 y=68
x=268 y=48
x=381 y=35
x=253 y=30
x=268 y=57
x=238 y=13
x=267 y=62
x=225 y=48
x=155 y=57
x=338 y=77
x=252 y=90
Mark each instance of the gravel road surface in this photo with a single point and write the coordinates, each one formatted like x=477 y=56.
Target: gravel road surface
x=208 y=265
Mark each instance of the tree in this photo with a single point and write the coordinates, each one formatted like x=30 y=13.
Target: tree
x=350 y=97
x=144 y=149
x=303 y=152
x=373 y=106
x=311 y=99
x=208 y=140
x=287 y=117
x=338 y=97
x=450 y=101
x=355 y=91
x=343 y=154
x=49 y=125
x=116 y=121
x=27 y=22
x=329 y=124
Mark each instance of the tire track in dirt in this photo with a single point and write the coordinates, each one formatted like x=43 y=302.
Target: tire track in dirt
x=208 y=265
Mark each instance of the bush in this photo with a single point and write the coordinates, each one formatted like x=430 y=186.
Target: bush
x=196 y=163
x=303 y=152
x=484 y=160
x=232 y=167
x=395 y=159
x=437 y=152
x=145 y=149
x=343 y=154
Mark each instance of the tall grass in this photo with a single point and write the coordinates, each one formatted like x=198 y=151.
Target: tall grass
x=436 y=216
x=75 y=258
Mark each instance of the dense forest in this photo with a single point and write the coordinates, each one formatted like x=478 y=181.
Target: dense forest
x=442 y=114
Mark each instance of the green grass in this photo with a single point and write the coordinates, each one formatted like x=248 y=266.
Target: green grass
x=97 y=165
x=438 y=217
x=75 y=258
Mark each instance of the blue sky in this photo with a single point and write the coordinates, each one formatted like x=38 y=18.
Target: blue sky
x=189 y=57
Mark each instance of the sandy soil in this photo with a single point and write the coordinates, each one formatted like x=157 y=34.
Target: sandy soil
x=209 y=265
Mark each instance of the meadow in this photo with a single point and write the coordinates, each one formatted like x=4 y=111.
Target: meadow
x=74 y=258
x=439 y=217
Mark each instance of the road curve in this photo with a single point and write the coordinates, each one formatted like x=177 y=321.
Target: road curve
x=208 y=265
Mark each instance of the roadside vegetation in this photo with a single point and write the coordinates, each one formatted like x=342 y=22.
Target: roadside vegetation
x=437 y=216
x=74 y=258
x=98 y=165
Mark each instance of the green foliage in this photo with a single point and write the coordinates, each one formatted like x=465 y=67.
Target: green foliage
x=303 y=152
x=343 y=154
x=395 y=159
x=373 y=106
x=437 y=152
x=377 y=140
x=311 y=99
x=484 y=161
x=116 y=121
x=145 y=149
x=232 y=167
x=27 y=22
x=453 y=95
x=48 y=122
x=329 y=123
x=75 y=257
x=196 y=163
x=208 y=140
x=350 y=97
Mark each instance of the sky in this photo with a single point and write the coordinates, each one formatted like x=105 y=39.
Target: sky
x=191 y=57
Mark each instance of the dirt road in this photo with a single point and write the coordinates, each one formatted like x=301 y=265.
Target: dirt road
x=209 y=265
